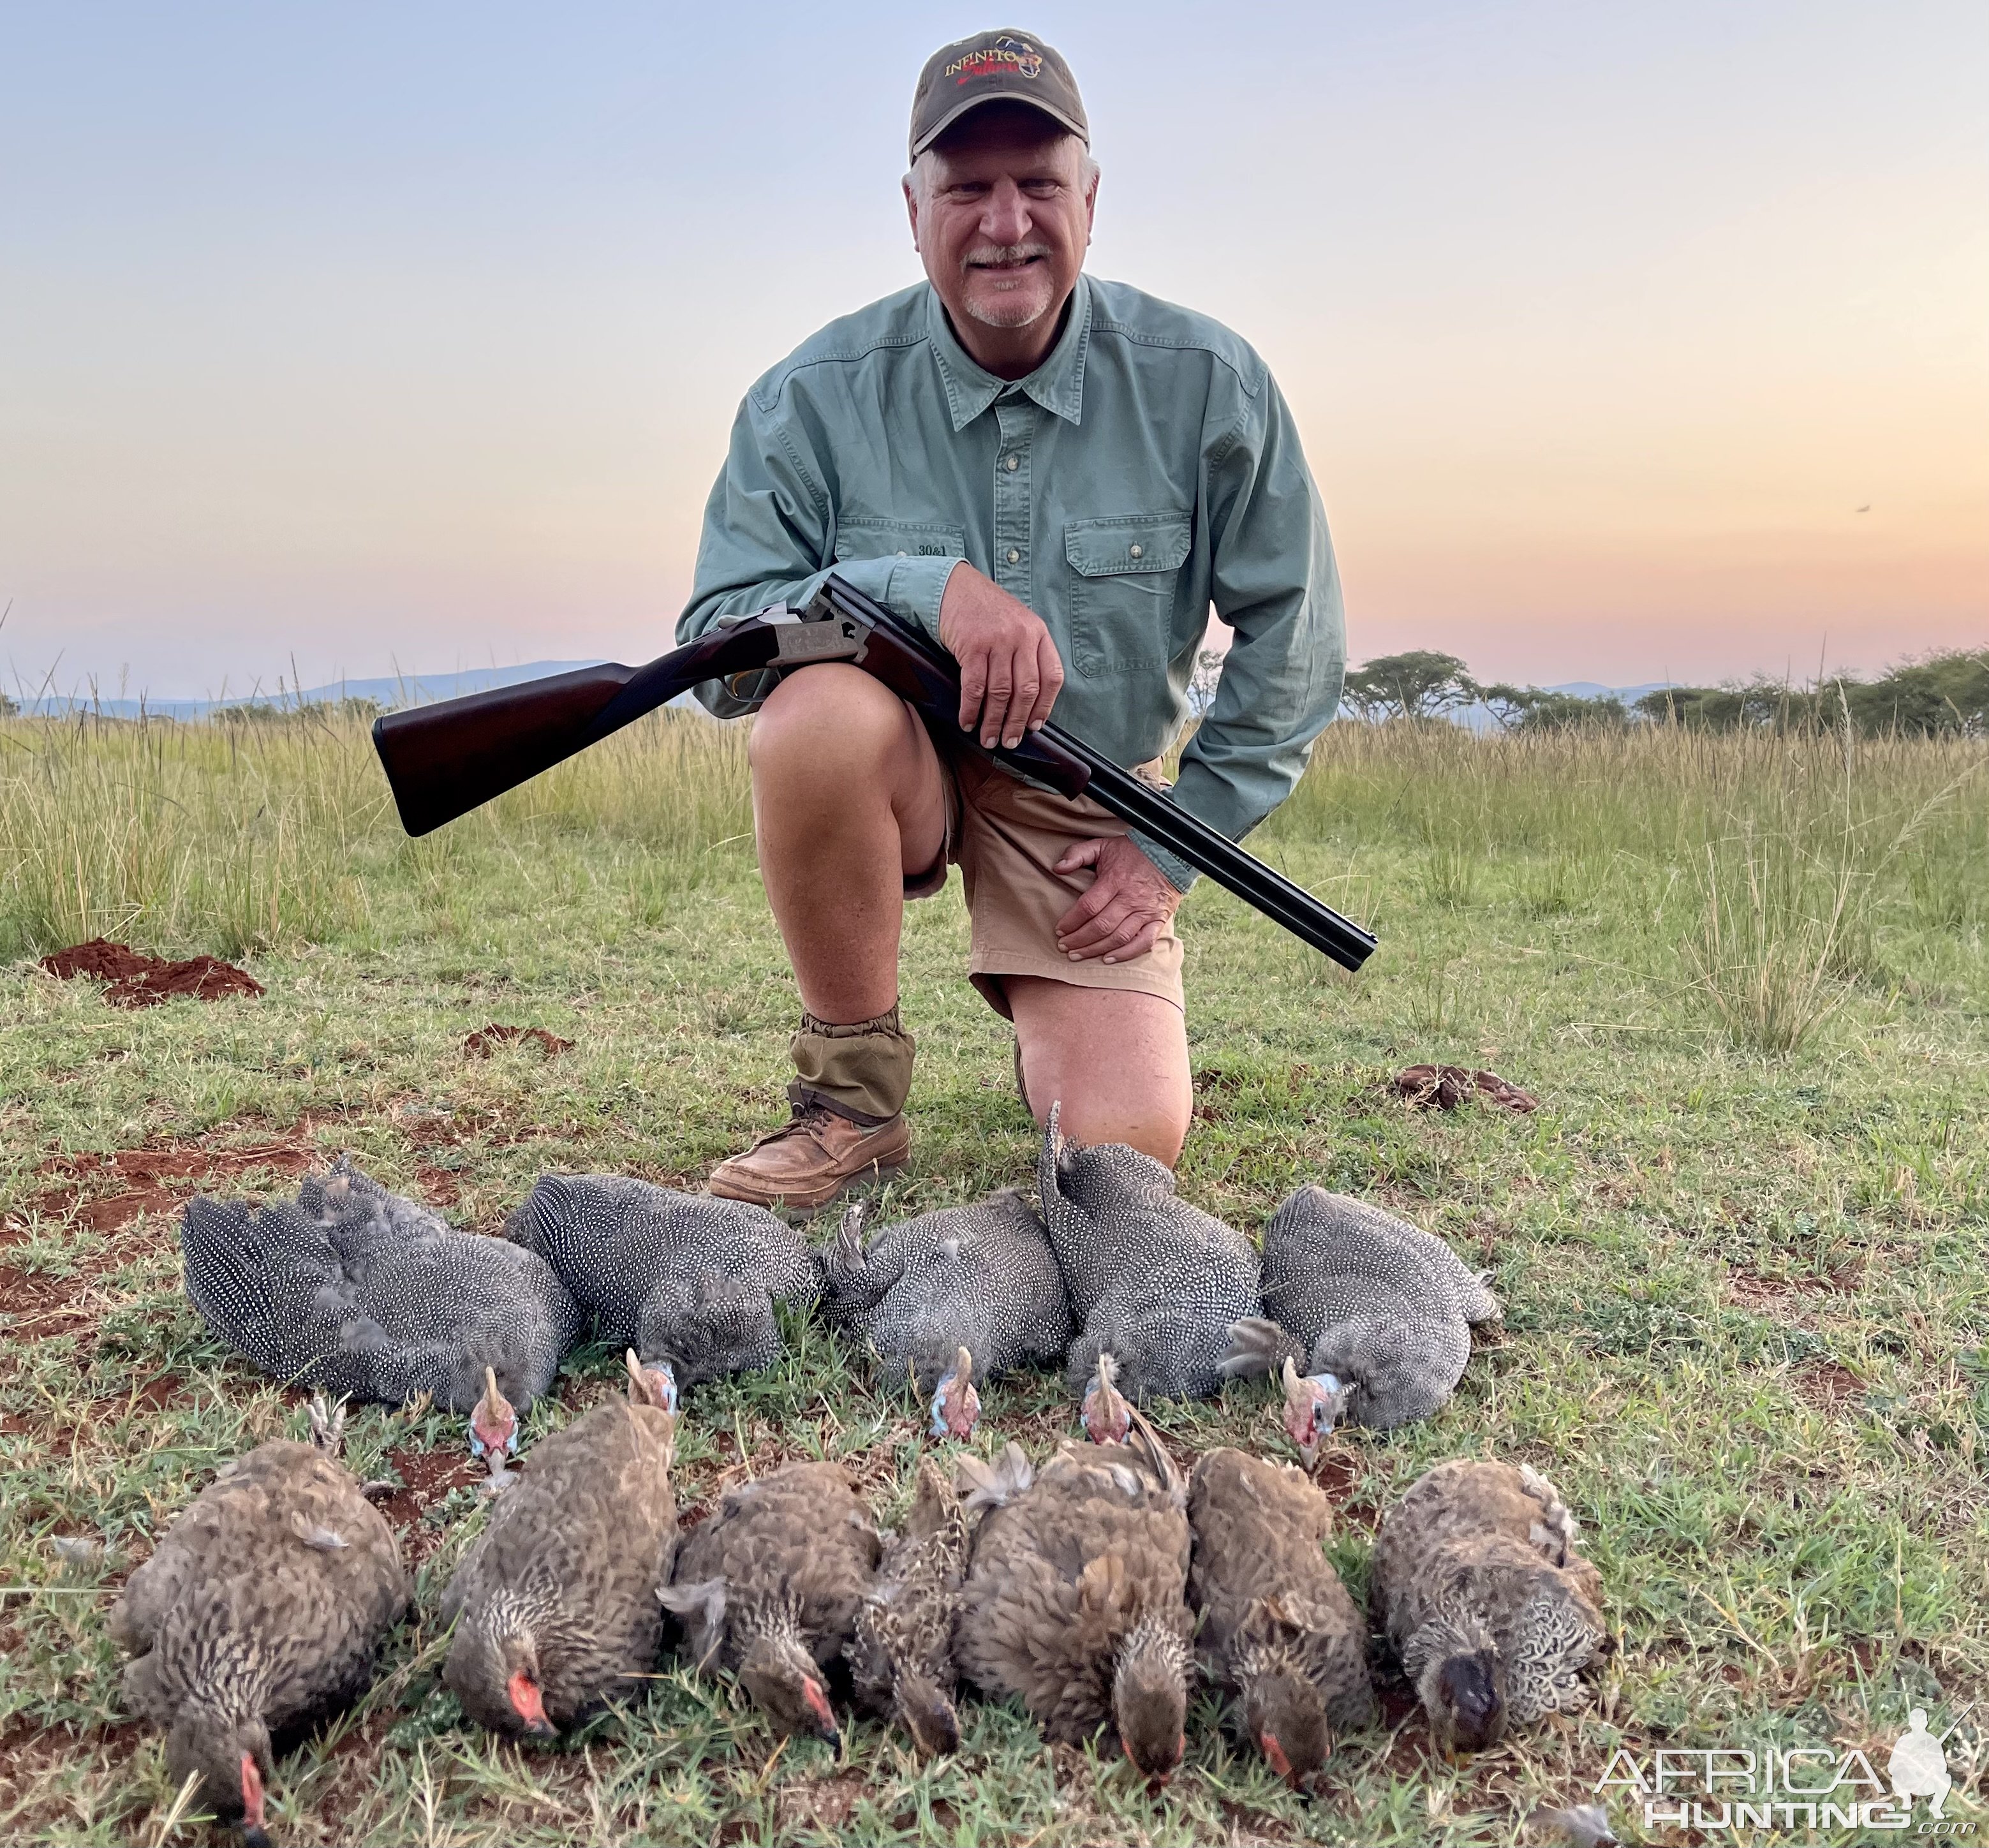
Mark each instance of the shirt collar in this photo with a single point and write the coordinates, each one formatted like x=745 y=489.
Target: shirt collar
x=1057 y=384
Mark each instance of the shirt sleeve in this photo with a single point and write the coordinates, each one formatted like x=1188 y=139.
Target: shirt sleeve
x=767 y=539
x=1273 y=581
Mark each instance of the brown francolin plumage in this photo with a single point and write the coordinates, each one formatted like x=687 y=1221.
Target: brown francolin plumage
x=1279 y=1632
x=260 y=1612
x=555 y=1606
x=770 y=1586
x=901 y=1663
x=1491 y=1611
x=1074 y=1599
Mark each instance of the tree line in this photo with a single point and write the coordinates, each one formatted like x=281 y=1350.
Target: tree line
x=1942 y=694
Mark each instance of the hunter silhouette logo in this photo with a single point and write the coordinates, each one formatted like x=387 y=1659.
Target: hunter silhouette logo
x=1917 y=1766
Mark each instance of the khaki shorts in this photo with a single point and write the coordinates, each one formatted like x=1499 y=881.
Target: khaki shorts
x=1004 y=837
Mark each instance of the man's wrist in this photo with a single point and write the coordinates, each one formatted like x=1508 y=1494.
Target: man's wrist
x=1175 y=871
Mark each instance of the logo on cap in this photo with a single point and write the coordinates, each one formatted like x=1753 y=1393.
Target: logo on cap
x=1018 y=55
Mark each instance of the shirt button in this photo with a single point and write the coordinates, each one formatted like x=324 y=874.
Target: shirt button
x=1134 y=550
x=1013 y=463
x=1014 y=557
x=901 y=554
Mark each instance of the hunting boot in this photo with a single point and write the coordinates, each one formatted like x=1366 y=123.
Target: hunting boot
x=848 y=1123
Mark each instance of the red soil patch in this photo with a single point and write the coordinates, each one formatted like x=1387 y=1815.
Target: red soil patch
x=156 y=1180
x=1828 y=1386
x=480 y=1043
x=427 y=1477
x=1445 y=1086
x=135 y=980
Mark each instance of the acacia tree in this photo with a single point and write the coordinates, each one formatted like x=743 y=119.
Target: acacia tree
x=1421 y=684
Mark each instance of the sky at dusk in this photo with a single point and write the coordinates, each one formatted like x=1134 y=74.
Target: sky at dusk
x=339 y=340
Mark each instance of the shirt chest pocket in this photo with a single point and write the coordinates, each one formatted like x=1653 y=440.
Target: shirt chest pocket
x=1125 y=575
x=898 y=539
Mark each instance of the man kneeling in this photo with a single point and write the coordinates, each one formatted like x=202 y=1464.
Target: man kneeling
x=1057 y=476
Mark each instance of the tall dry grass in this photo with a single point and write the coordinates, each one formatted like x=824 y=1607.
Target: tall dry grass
x=1763 y=872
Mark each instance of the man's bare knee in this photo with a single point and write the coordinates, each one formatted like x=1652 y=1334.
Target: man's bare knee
x=831 y=716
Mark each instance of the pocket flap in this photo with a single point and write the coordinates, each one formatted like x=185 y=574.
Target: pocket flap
x=898 y=538
x=1128 y=542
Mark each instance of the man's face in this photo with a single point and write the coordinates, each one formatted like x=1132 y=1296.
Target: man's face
x=1003 y=218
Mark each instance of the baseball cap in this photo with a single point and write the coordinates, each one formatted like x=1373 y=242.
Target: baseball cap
x=1004 y=66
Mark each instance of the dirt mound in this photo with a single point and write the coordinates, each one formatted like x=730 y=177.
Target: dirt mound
x=479 y=1044
x=135 y=980
x=1445 y=1086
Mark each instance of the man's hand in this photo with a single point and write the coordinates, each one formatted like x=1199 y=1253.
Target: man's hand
x=1119 y=917
x=1009 y=672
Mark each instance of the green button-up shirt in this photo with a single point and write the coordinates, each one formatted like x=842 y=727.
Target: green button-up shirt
x=1148 y=468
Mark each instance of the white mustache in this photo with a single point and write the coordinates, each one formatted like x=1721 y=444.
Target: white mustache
x=992 y=254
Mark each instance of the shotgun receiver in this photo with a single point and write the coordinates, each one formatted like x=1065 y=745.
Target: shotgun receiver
x=444 y=760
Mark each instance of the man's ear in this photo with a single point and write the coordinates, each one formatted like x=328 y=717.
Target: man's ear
x=912 y=209
x=1090 y=205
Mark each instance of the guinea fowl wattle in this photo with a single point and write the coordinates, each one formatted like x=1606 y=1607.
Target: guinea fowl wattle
x=980 y=1277
x=259 y=1613
x=1278 y=1631
x=1492 y=1613
x=360 y=1292
x=769 y=1587
x=1364 y=1316
x=555 y=1605
x=688 y=1280
x=1154 y=1282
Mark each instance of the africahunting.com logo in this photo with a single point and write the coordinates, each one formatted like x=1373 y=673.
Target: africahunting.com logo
x=1735 y=1790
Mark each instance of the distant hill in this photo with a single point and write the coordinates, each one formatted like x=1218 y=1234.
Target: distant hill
x=411 y=689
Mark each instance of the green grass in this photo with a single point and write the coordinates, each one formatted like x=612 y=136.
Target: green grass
x=1741 y=1245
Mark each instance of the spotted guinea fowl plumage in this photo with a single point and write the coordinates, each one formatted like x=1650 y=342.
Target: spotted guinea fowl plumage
x=1278 y=1631
x=1153 y=1281
x=687 y=1279
x=901 y=1664
x=359 y=1292
x=260 y=1612
x=1380 y=1306
x=1074 y=1599
x=768 y=1589
x=982 y=1277
x=556 y=1605
x=1494 y=1613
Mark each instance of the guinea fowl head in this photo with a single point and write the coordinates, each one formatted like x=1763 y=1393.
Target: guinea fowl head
x=494 y=1670
x=231 y=1756
x=786 y=1683
x=1107 y=1417
x=493 y=1425
x=956 y=1406
x=1313 y=1404
x=1465 y=1697
x=1150 y=1698
x=653 y=1384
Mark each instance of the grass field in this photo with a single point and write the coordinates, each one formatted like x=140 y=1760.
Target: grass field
x=1740 y=1246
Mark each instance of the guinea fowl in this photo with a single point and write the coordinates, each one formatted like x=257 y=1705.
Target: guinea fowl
x=1155 y=1283
x=555 y=1606
x=1074 y=1599
x=982 y=1277
x=359 y=1292
x=259 y=1613
x=769 y=1587
x=1494 y=1613
x=1278 y=1630
x=688 y=1280
x=1377 y=1313
x=901 y=1660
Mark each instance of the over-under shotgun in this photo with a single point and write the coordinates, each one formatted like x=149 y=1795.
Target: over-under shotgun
x=444 y=760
